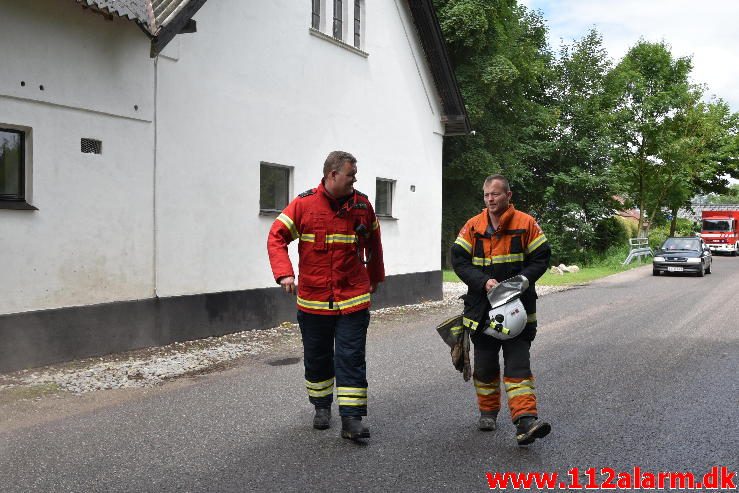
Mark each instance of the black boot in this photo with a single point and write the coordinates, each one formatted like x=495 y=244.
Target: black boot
x=352 y=428
x=322 y=418
x=487 y=420
x=528 y=429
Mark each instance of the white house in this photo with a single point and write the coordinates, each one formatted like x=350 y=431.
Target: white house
x=146 y=145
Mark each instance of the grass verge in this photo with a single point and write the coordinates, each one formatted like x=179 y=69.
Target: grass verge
x=28 y=392
x=600 y=268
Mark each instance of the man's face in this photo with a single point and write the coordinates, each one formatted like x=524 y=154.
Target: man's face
x=496 y=198
x=342 y=181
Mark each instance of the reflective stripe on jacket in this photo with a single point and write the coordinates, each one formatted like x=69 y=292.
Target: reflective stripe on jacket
x=480 y=253
x=332 y=279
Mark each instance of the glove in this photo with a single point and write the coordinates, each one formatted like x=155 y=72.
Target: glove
x=467 y=369
x=450 y=330
x=461 y=356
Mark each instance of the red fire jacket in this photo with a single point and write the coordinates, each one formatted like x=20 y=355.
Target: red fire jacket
x=333 y=279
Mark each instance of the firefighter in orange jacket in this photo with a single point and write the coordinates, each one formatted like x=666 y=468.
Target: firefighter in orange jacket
x=340 y=264
x=493 y=246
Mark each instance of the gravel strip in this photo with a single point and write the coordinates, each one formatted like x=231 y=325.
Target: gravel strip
x=152 y=366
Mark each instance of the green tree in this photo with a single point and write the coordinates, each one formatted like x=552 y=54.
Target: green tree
x=503 y=66
x=578 y=188
x=650 y=90
x=730 y=197
x=700 y=152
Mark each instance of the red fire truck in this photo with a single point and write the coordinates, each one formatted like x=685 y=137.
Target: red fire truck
x=720 y=229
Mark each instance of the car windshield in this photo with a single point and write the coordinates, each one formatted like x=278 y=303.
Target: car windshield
x=717 y=225
x=681 y=244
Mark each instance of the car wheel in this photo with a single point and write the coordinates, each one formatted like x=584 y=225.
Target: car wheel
x=655 y=272
x=708 y=270
x=702 y=271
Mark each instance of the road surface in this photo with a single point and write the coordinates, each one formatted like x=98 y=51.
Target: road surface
x=632 y=371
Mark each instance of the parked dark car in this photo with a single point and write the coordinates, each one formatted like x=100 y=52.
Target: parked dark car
x=682 y=255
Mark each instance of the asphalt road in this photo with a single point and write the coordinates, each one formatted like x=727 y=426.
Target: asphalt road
x=632 y=370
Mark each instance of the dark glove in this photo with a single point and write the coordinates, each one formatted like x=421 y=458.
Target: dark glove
x=467 y=369
x=461 y=356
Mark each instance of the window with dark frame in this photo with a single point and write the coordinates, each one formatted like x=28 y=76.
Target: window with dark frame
x=338 y=17
x=316 y=21
x=384 y=197
x=357 y=23
x=274 y=187
x=12 y=164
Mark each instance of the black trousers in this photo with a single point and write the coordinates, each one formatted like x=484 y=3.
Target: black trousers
x=515 y=357
x=334 y=349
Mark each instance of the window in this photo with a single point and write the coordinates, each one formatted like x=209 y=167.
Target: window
x=12 y=165
x=384 y=197
x=338 y=17
x=274 y=187
x=345 y=27
x=316 y=21
x=717 y=225
x=357 y=23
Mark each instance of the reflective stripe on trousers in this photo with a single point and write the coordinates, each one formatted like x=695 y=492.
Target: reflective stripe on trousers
x=335 y=345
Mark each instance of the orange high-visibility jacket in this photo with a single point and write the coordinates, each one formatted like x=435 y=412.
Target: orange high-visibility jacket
x=333 y=279
x=480 y=253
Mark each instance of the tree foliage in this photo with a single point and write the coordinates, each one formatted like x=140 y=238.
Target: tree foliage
x=730 y=197
x=571 y=131
x=578 y=188
x=670 y=145
x=651 y=93
x=502 y=63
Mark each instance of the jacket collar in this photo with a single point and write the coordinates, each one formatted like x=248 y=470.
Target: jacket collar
x=505 y=218
x=335 y=204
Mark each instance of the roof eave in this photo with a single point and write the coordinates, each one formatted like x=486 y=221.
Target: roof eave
x=455 y=118
x=180 y=23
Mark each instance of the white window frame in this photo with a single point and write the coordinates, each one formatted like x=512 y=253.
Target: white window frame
x=288 y=192
x=361 y=24
x=391 y=185
x=322 y=14
x=326 y=25
x=341 y=18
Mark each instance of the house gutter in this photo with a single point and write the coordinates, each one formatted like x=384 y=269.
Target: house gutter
x=155 y=254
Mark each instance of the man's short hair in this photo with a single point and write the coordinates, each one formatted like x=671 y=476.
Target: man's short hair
x=506 y=185
x=336 y=160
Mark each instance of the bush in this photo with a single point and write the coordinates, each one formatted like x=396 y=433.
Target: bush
x=658 y=236
x=685 y=227
x=614 y=257
x=610 y=232
x=632 y=227
x=574 y=243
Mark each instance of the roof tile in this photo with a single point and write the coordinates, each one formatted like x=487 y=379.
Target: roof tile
x=151 y=14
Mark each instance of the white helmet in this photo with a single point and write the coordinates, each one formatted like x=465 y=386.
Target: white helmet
x=507 y=320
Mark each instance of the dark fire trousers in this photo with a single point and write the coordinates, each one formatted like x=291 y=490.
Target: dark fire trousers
x=346 y=364
x=518 y=381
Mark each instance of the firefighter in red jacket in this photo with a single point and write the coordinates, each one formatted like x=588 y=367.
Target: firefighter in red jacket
x=493 y=246
x=340 y=264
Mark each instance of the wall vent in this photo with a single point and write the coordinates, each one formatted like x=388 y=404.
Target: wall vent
x=91 y=146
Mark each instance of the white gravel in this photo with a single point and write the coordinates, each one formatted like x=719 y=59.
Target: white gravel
x=152 y=366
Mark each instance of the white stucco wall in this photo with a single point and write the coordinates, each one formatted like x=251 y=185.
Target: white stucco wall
x=91 y=239
x=254 y=85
